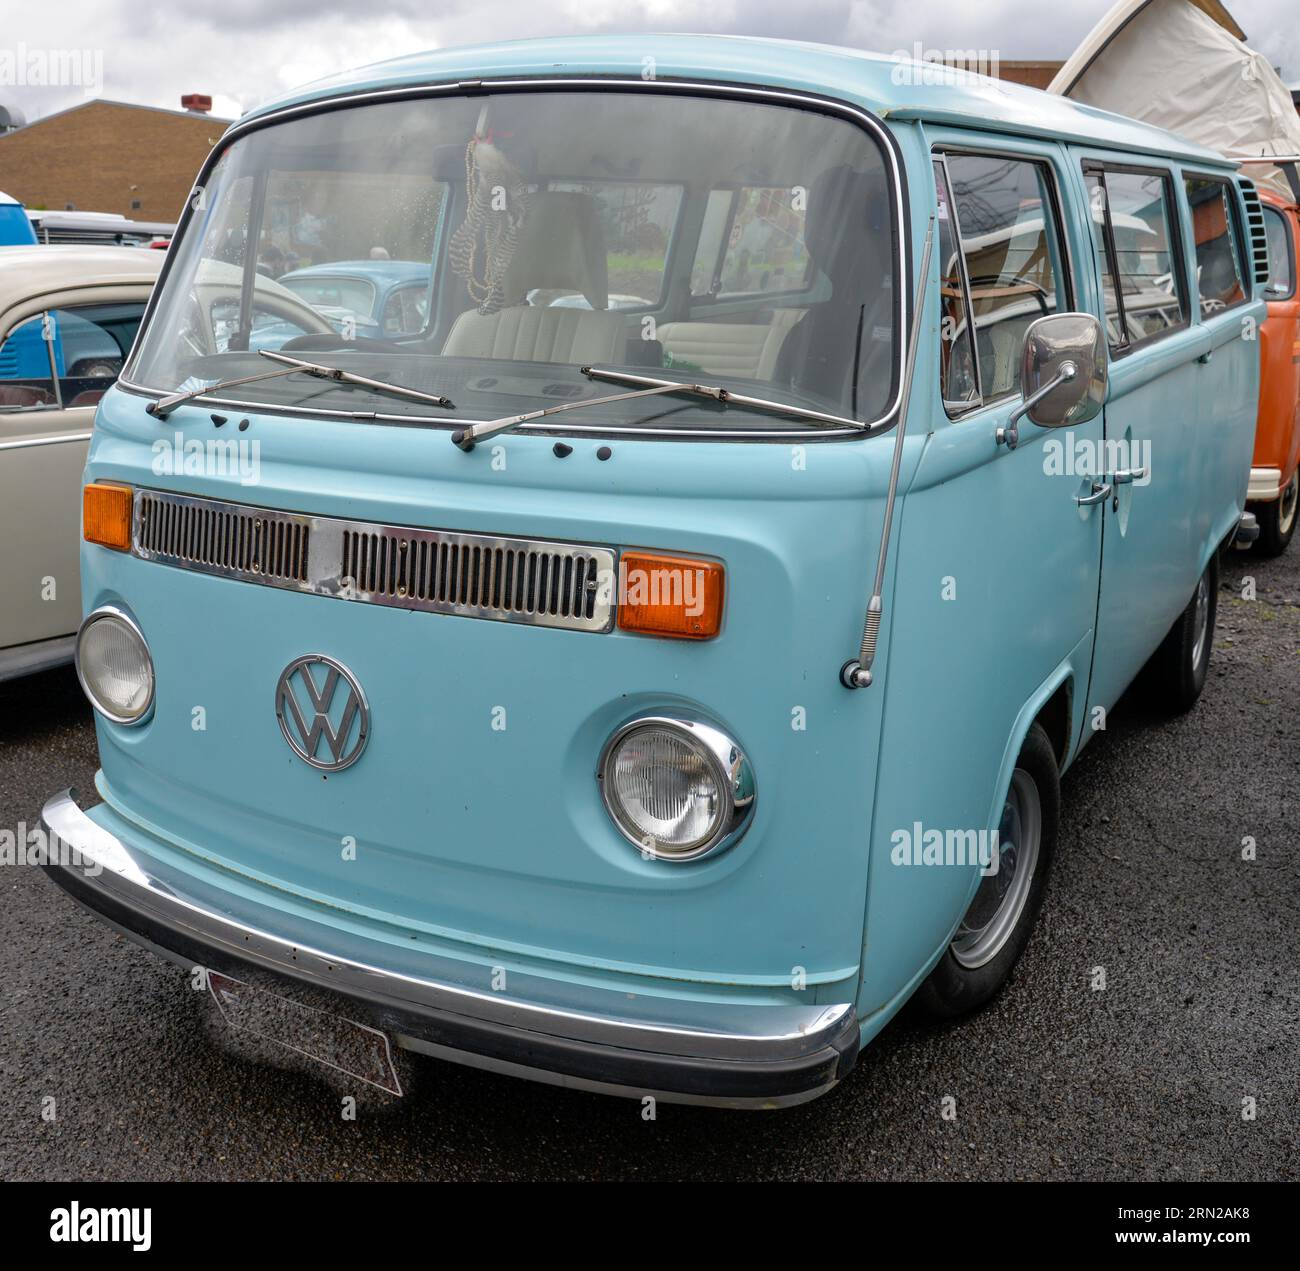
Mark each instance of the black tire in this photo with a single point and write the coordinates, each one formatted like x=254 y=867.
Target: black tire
x=954 y=988
x=1277 y=520
x=1176 y=673
x=96 y=368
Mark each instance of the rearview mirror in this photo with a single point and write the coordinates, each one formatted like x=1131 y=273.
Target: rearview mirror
x=1063 y=373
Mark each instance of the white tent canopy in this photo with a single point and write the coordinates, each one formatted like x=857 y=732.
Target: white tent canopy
x=1170 y=64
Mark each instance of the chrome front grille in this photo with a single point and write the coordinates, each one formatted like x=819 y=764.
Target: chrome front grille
x=222 y=538
x=439 y=571
x=522 y=582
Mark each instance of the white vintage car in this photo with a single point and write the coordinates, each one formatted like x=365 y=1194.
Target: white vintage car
x=68 y=316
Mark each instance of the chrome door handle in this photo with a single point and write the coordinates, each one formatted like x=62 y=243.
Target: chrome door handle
x=1125 y=475
x=1100 y=493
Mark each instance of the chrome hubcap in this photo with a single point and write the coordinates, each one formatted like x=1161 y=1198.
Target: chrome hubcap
x=1201 y=619
x=1289 y=499
x=1000 y=900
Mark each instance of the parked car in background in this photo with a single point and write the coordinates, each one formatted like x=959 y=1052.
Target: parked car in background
x=583 y=720
x=15 y=227
x=385 y=299
x=102 y=228
x=276 y=316
x=68 y=316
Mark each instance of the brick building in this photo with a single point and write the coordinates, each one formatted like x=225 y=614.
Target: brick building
x=109 y=156
x=1031 y=73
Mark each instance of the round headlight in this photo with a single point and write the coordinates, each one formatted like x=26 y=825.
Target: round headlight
x=114 y=666
x=678 y=789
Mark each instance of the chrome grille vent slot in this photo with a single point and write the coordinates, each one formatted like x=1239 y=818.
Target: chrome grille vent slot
x=520 y=581
x=472 y=575
x=1256 y=229
x=222 y=538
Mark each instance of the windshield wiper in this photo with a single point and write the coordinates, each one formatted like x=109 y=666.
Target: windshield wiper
x=466 y=438
x=165 y=405
x=351 y=377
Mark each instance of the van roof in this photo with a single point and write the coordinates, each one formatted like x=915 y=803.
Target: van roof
x=870 y=80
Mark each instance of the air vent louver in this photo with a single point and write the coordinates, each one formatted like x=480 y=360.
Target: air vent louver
x=1256 y=231
x=439 y=571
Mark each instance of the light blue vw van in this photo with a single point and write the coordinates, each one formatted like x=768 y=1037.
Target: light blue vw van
x=658 y=668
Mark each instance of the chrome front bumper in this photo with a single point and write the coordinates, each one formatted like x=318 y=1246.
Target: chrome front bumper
x=1265 y=485
x=735 y=1055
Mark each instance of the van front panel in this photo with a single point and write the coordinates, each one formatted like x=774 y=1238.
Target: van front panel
x=475 y=809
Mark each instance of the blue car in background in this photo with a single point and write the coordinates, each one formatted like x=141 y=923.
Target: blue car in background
x=385 y=298
x=15 y=227
x=83 y=349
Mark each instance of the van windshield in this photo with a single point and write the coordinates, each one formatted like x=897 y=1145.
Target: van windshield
x=488 y=247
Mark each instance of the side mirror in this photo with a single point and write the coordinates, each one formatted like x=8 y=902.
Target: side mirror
x=1063 y=374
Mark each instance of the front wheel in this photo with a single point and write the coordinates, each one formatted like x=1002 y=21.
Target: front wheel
x=993 y=933
x=1277 y=519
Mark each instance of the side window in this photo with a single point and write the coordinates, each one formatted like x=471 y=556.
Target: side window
x=751 y=243
x=638 y=221
x=956 y=361
x=90 y=344
x=26 y=374
x=1281 y=255
x=1219 y=273
x=1134 y=230
x=1009 y=230
x=406 y=310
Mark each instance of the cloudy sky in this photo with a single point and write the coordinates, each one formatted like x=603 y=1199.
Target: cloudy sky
x=242 y=52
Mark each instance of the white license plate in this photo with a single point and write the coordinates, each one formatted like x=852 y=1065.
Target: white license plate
x=356 y=1049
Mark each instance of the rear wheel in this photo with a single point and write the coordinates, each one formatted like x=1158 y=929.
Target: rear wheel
x=996 y=926
x=1177 y=670
x=1277 y=519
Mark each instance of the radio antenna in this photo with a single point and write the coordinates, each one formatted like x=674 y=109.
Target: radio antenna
x=856 y=672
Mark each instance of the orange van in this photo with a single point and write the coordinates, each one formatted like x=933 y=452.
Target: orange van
x=1275 y=469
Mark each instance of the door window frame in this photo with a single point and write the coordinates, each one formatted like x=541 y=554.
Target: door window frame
x=939 y=153
x=1177 y=255
x=1236 y=227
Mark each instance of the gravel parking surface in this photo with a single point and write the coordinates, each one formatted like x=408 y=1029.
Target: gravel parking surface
x=1144 y=1079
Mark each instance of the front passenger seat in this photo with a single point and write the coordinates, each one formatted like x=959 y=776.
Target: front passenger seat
x=561 y=247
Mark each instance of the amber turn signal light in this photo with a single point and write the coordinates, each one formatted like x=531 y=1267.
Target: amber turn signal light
x=106 y=516
x=675 y=596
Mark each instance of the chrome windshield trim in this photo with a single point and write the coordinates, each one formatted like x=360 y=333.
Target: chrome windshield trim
x=105 y=866
x=901 y=258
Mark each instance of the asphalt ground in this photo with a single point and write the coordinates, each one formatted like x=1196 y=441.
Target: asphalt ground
x=1145 y=1078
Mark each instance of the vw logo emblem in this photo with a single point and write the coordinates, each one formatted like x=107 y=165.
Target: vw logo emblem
x=318 y=700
